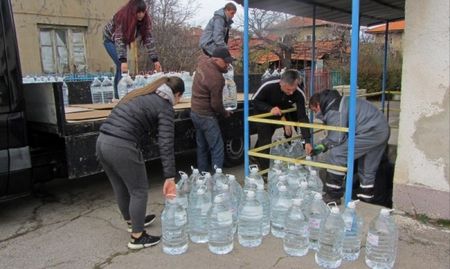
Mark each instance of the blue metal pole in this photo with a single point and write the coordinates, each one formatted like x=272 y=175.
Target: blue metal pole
x=352 y=107
x=313 y=67
x=383 y=86
x=246 y=73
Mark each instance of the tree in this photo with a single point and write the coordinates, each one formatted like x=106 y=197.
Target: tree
x=260 y=23
x=176 y=42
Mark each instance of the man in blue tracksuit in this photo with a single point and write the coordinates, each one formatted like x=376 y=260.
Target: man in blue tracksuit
x=372 y=134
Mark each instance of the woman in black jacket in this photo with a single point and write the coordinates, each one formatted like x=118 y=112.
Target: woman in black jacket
x=119 y=149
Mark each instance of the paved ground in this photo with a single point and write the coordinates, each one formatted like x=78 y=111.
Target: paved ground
x=80 y=227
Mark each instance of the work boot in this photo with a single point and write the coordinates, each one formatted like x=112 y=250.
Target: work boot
x=365 y=193
x=333 y=187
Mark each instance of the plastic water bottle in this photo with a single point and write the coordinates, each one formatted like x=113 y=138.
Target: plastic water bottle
x=381 y=243
x=220 y=227
x=353 y=232
x=306 y=196
x=331 y=240
x=174 y=225
x=125 y=85
x=229 y=90
x=201 y=181
x=279 y=209
x=65 y=92
x=293 y=180
x=183 y=190
x=317 y=214
x=296 y=238
x=263 y=198
x=96 y=91
x=282 y=181
x=314 y=182
x=198 y=209
x=254 y=174
x=107 y=90
x=250 y=222
x=235 y=198
x=219 y=177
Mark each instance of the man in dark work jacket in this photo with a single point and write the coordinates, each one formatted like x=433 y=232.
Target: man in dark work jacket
x=274 y=96
x=207 y=105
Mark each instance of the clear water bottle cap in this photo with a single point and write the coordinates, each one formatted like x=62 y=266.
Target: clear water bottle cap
x=250 y=194
x=183 y=175
x=303 y=184
x=313 y=172
x=385 y=212
x=259 y=186
x=292 y=167
x=277 y=161
x=218 y=199
x=352 y=204
x=254 y=168
x=335 y=210
x=278 y=172
x=297 y=201
x=195 y=170
x=282 y=188
x=219 y=170
x=318 y=196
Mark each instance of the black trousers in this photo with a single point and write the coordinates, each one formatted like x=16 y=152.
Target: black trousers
x=265 y=133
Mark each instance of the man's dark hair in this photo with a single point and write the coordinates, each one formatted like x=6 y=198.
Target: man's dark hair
x=290 y=76
x=230 y=6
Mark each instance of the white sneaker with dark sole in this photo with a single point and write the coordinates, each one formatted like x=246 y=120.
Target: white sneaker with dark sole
x=149 y=219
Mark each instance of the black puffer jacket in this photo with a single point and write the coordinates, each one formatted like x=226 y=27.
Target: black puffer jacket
x=133 y=120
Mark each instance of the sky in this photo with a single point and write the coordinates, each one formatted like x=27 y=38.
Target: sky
x=206 y=11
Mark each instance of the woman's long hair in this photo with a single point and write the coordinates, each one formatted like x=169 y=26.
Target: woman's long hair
x=175 y=83
x=126 y=18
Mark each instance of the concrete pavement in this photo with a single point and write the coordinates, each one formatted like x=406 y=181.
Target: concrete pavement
x=80 y=227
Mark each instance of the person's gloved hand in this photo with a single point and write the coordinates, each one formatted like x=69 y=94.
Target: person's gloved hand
x=170 y=188
x=319 y=148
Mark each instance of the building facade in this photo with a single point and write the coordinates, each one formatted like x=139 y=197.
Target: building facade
x=63 y=36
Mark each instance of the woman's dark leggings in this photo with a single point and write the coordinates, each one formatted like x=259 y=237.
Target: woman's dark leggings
x=125 y=167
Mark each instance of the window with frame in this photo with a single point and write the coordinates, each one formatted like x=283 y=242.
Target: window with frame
x=63 y=49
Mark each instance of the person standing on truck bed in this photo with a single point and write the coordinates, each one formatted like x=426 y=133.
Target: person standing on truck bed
x=274 y=96
x=131 y=21
x=206 y=105
x=119 y=150
x=217 y=30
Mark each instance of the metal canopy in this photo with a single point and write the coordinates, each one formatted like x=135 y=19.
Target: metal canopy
x=372 y=11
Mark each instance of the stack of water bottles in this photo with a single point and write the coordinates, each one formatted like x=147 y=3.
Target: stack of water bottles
x=212 y=209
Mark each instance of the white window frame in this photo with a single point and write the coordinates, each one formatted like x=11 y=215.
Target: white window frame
x=69 y=34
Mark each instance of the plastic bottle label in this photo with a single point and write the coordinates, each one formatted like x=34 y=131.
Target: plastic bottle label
x=372 y=239
x=225 y=218
x=314 y=223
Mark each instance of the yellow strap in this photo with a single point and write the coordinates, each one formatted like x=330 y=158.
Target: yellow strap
x=299 y=124
x=298 y=161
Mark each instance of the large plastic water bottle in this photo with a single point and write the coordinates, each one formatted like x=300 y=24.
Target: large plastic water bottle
x=314 y=182
x=254 y=174
x=107 y=90
x=125 y=85
x=331 y=240
x=220 y=227
x=219 y=177
x=96 y=91
x=193 y=177
x=381 y=243
x=198 y=209
x=174 y=225
x=296 y=238
x=306 y=196
x=65 y=92
x=263 y=198
x=250 y=221
x=229 y=90
x=293 y=180
x=282 y=181
x=183 y=190
x=317 y=214
x=279 y=209
x=353 y=232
